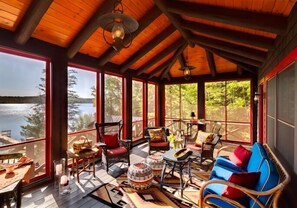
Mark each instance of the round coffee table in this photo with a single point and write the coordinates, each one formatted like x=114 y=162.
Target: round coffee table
x=140 y=176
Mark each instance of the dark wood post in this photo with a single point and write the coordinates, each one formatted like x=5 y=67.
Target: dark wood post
x=201 y=100
x=128 y=106
x=59 y=106
x=161 y=105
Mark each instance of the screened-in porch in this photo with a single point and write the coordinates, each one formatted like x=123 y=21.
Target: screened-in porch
x=63 y=69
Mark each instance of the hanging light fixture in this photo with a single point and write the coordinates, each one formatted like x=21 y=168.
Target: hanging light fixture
x=119 y=25
x=187 y=68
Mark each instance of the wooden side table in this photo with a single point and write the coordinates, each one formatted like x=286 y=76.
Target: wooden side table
x=11 y=185
x=88 y=158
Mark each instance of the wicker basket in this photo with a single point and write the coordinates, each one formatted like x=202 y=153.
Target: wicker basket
x=82 y=144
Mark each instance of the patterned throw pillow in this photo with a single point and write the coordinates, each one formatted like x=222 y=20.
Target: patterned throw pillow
x=203 y=137
x=156 y=135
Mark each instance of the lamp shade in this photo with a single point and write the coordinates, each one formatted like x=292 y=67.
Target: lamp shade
x=192 y=114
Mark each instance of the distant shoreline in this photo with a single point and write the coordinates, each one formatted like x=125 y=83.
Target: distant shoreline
x=34 y=99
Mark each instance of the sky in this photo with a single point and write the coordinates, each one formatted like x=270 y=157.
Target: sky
x=20 y=76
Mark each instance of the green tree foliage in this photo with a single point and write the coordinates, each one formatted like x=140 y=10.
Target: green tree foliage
x=35 y=126
x=113 y=97
x=137 y=99
x=73 y=108
x=36 y=121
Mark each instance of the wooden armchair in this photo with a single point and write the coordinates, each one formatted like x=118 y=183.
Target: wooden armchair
x=114 y=149
x=157 y=138
x=205 y=151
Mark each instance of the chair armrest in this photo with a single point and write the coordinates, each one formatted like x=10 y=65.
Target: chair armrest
x=101 y=144
x=224 y=148
x=249 y=192
x=126 y=143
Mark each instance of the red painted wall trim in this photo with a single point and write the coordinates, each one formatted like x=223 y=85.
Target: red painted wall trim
x=283 y=64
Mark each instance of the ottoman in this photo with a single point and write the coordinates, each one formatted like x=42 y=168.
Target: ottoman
x=140 y=176
x=156 y=163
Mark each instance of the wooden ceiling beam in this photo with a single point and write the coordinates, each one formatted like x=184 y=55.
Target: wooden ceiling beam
x=31 y=19
x=181 y=60
x=230 y=47
x=160 y=55
x=211 y=63
x=239 y=70
x=173 y=60
x=243 y=66
x=89 y=29
x=148 y=47
x=145 y=21
x=235 y=57
x=232 y=35
x=159 y=68
x=174 y=19
x=254 y=20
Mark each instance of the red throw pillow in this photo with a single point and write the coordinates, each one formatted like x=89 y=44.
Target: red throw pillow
x=240 y=156
x=111 y=140
x=246 y=179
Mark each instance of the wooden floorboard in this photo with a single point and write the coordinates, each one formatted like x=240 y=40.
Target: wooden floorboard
x=48 y=196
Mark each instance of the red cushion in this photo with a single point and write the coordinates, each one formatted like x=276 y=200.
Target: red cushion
x=116 y=151
x=159 y=144
x=246 y=179
x=111 y=140
x=240 y=156
x=193 y=147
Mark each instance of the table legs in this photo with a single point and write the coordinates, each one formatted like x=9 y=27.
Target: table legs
x=180 y=170
x=86 y=166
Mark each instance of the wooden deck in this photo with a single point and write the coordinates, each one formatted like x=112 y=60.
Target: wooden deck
x=48 y=195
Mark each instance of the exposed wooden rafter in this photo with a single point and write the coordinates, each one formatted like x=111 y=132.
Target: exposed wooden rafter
x=254 y=20
x=239 y=70
x=161 y=55
x=181 y=60
x=174 y=19
x=149 y=46
x=173 y=60
x=234 y=56
x=211 y=63
x=31 y=19
x=243 y=66
x=146 y=20
x=89 y=29
x=230 y=47
x=159 y=68
x=232 y=35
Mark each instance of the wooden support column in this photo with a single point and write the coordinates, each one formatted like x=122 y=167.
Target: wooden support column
x=128 y=106
x=161 y=105
x=102 y=96
x=59 y=106
x=201 y=100
x=254 y=126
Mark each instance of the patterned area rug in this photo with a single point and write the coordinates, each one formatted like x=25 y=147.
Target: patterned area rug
x=118 y=193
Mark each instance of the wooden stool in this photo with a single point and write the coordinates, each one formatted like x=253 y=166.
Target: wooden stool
x=87 y=156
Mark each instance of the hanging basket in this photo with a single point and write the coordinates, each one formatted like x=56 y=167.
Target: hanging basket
x=82 y=144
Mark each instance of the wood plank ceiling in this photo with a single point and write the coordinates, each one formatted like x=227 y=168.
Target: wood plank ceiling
x=214 y=36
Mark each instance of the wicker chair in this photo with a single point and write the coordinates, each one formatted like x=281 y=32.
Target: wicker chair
x=157 y=146
x=273 y=193
x=114 y=151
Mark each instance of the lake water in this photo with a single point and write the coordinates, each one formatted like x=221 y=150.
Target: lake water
x=12 y=116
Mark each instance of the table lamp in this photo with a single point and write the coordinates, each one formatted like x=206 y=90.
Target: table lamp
x=192 y=115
